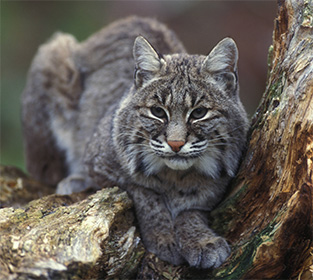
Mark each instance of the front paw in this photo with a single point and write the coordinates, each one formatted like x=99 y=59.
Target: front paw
x=164 y=247
x=73 y=184
x=207 y=252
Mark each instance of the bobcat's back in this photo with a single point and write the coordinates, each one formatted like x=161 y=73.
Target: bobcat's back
x=72 y=85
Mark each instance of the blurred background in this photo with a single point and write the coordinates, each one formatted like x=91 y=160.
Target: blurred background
x=199 y=24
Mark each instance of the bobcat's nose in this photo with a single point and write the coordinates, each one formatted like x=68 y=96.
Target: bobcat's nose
x=176 y=145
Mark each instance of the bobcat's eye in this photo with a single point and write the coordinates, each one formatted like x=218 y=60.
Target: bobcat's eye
x=198 y=113
x=158 y=112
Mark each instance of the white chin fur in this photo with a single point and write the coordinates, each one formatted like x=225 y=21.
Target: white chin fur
x=178 y=164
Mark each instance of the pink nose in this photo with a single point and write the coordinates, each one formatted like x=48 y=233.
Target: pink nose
x=176 y=145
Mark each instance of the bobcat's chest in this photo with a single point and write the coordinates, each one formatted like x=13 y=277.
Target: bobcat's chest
x=187 y=191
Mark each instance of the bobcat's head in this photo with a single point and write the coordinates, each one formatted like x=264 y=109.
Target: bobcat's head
x=183 y=112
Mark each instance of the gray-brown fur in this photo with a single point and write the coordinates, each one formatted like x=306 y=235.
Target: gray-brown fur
x=166 y=126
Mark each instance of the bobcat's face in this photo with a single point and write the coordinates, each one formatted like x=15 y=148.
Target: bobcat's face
x=184 y=124
x=182 y=113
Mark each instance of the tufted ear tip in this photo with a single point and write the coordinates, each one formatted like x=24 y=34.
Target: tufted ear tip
x=223 y=57
x=221 y=63
x=146 y=57
x=148 y=61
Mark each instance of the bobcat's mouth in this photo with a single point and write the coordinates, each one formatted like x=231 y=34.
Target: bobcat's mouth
x=178 y=162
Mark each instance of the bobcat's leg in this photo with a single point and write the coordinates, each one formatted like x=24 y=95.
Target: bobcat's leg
x=51 y=96
x=156 y=225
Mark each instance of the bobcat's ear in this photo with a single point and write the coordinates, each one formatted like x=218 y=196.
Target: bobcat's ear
x=222 y=64
x=148 y=61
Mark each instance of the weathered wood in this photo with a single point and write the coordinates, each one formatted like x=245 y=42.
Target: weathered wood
x=61 y=237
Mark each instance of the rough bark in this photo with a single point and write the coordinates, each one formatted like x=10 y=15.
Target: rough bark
x=267 y=216
x=64 y=237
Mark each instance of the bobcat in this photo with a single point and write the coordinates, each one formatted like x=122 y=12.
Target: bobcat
x=130 y=107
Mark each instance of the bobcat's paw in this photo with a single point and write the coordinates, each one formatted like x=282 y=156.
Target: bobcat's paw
x=165 y=248
x=206 y=252
x=72 y=184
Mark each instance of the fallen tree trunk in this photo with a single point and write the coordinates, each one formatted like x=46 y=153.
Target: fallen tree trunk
x=267 y=216
x=64 y=237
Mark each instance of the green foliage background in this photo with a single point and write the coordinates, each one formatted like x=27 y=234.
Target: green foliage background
x=25 y=25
